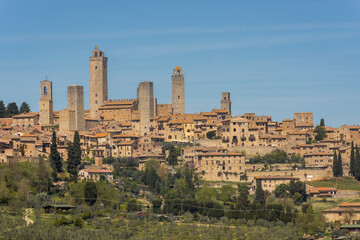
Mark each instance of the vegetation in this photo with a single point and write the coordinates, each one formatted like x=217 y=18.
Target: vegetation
x=54 y=157
x=24 y=108
x=320 y=133
x=12 y=109
x=344 y=183
x=74 y=156
x=276 y=156
x=337 y=165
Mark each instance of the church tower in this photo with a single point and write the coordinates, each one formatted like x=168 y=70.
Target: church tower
x=98 y=81
x=226 y=102
x=46 y=103
x=178 y=91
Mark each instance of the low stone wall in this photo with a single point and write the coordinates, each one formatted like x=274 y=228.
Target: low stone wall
x=24 y=159
x=253 y=150
x=302 y=174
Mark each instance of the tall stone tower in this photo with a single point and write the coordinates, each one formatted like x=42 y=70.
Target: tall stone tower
x=75 y=102
x=145 y=94
x=226 y=102
x=178 y=91
x=98 y=81
x=46 y=103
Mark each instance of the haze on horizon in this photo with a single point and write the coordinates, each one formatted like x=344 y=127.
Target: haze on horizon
x=276 y=58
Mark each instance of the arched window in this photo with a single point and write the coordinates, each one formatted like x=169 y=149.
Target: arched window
x=45 y=90
x=178 y=72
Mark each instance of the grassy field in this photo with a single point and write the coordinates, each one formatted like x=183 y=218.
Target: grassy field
x=344 y=183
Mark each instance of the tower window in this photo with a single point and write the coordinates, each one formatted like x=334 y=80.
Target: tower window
x=178 y=96
x=95 y=67
x=178 y=72
x=95 y=94
x=95 y=102
x=45 y=90
x=95 y=54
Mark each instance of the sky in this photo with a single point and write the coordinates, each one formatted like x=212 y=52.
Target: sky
x=274 y=57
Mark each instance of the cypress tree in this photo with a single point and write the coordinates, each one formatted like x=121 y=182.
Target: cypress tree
x=335 y=165
x=259 y=194
x=54 y=157
x=322 y=122
x=357 y=164
x=74 y=156
x=352 y=159
x=340 y=168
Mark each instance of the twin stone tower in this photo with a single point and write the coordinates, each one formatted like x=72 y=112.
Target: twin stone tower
x=73 y=118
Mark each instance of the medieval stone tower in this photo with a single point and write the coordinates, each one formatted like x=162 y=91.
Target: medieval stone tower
x=98 y=81
x=46 y=103
x=75 y=102
x=145 y=94
x=226 y=102
x=178 y=91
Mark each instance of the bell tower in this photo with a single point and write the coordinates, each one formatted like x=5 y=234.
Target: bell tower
x=46 y=103
x=98 y=81
x=178 y=91
x=226 y=102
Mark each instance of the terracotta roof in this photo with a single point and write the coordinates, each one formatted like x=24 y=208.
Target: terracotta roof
x=353 y=204
x=128 y=142
x=26 y=115
x=99 y=135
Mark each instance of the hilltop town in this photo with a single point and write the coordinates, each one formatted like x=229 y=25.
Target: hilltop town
x=222 y=149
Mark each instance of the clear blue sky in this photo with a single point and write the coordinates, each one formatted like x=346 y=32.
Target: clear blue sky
x=275 y=57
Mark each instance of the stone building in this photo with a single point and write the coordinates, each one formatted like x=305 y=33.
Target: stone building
x=98 y=81
x=269 y=183
x=145 y=95
x=67 y=120
x=226 y=102
x=120 y=110
x=75 y=101
x=303 y=120
x=178 y=91
x=343 y=213
x=46 y=103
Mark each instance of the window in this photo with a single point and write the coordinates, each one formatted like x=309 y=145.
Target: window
x=95 y=67
x=45 y=90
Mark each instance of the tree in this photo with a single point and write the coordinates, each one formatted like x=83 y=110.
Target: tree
x=12 y=109
x=352 y=159
x=205 y=194
x=320 y=133
x=297 y=187
x=335 y=165
x=2 y=110
x=357 y=164
x=24 y=108
x=281 y=191
x=226 y=192
x=54 y=157
x=44 y=179
x=243 y=198
x=322 y=122
x=211 y=135
x=340 y=168
x=259 y=194
x=172 y=159
x=90 y=192
x=74 y=156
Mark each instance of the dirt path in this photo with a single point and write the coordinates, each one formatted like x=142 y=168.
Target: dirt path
x=28 y=211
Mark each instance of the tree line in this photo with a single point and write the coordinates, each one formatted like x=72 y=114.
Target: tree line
x=13 y=109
